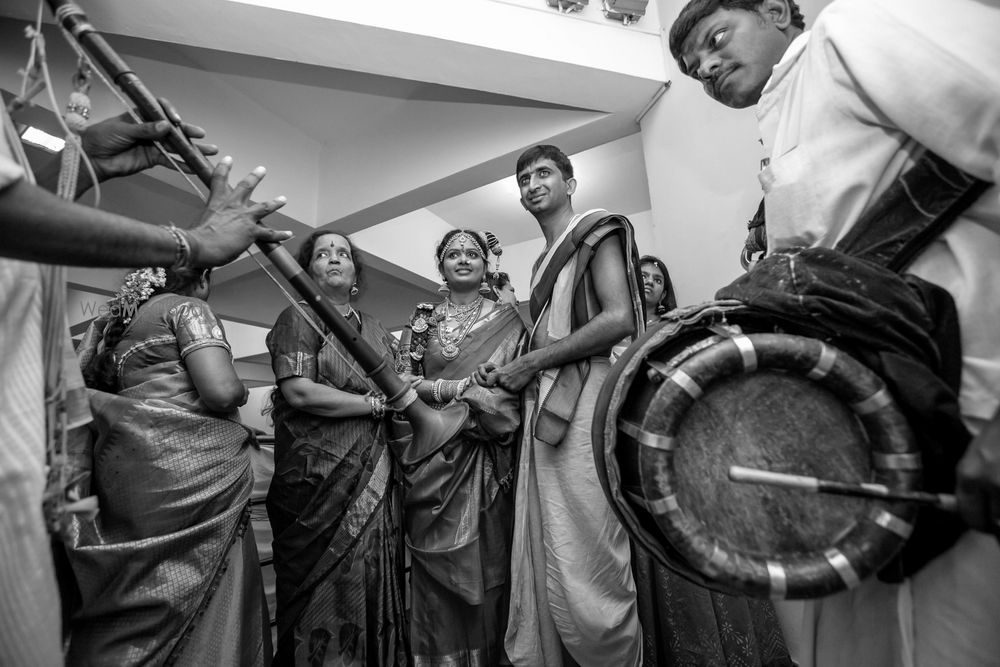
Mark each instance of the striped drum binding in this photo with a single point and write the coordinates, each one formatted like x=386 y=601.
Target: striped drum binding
x=715 y=388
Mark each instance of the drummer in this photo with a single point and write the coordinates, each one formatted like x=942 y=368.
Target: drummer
x=842 y=111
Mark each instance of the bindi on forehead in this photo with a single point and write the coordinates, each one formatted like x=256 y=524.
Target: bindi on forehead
x=331 y=242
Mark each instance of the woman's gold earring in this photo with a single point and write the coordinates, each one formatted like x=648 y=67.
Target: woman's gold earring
x=354 y=289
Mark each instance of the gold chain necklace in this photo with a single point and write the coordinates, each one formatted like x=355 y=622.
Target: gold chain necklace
x=451 y=335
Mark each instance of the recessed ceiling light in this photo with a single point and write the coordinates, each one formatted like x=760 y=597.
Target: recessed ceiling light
x=37 y=137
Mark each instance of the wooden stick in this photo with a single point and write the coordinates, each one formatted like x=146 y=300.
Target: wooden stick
x=943 y=501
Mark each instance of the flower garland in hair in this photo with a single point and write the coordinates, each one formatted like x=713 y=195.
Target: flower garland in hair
x=137 y=288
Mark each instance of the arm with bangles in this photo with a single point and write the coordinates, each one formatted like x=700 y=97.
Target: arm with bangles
x=322 y=400
x=38 y=226
x=294 y=346
x=436 y=391
x=410 y=368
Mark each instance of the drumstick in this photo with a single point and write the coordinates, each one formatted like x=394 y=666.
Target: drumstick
x=943 y=501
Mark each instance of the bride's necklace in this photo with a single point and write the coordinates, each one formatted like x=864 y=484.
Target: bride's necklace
x=458 y=321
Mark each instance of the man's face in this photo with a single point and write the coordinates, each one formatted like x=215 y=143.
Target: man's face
x=542 y=186
x=732 y=53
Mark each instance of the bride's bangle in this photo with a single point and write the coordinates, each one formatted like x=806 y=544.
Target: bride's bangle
x=449 y=390
x=377 y=405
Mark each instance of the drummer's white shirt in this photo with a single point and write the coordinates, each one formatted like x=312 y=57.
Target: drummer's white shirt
x=849 y=108
x=841 y=119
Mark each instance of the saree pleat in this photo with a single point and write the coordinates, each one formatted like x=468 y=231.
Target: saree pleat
x=172 y=516
x=684 y=624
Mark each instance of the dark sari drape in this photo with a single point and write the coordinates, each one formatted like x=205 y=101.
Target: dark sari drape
x=457 y=507
x=334 y=511
x=168 y=570
x=684 y=624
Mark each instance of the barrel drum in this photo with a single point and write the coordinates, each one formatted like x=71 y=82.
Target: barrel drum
x=715 y=386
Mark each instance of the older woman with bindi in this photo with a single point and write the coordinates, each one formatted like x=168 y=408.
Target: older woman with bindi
x=333 y=501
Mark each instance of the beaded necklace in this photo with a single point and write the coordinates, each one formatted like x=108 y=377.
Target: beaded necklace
x=458 y=321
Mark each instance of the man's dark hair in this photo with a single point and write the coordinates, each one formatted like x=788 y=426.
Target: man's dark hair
x=696 y=10
x=542 y=152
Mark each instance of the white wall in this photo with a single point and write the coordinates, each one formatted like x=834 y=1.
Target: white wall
x=702 y=161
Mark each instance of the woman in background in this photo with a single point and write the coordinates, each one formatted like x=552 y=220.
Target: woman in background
x=457 y=507
x=683 y=623
x=333 y=501
x=658 y=290
x=167 y=570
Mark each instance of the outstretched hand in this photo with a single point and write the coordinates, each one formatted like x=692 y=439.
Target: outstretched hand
x=119 y=146
x=229 y=223
x=978 y=489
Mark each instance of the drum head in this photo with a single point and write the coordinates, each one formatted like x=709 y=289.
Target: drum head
x=689 y=400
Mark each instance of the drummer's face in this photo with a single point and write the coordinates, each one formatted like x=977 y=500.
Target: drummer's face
x=732 y=51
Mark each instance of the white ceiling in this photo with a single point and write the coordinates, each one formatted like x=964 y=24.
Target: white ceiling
x=393 y=135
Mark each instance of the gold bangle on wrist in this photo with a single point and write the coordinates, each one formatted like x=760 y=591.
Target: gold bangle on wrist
x=377 y=403
x=182 y=255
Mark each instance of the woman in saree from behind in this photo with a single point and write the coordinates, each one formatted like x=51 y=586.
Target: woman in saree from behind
x=168 y=570
x=457 y=506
